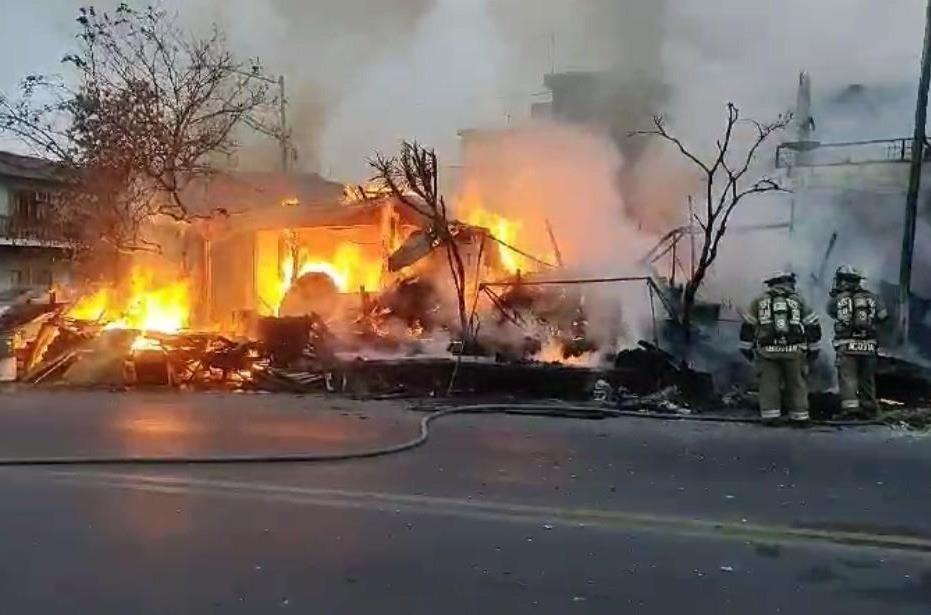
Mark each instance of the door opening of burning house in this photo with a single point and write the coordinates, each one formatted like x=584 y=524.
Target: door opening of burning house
x=299 y=271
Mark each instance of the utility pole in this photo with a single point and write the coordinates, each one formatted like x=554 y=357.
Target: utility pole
x=282 y=133
x=552 y=53
x=284 y=137
x=914 y=182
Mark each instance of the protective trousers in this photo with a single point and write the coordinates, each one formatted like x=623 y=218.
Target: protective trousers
x=856 y=375
x=783 y=387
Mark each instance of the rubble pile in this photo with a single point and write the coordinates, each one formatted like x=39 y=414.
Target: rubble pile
x=303 y=354
x=84 y=355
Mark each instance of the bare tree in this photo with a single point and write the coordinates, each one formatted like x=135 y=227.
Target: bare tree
x=412 y=176
x=728 y=179
x=145 y=109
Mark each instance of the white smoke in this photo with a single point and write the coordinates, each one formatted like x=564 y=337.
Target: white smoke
x=863 y=57
x=362 y=75
x=565 y=177
x=751 y=53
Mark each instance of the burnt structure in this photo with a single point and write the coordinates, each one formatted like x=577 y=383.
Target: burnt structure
x=268 y=230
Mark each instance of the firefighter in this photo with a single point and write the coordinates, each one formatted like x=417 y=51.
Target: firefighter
x=856 y=313
x=781 y=334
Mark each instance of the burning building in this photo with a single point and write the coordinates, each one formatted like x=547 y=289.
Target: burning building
x=272 y=258
x=265 y=245
x=276 y=231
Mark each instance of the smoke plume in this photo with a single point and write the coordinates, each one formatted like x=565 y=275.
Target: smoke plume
x=567 y=178
x=362 y=76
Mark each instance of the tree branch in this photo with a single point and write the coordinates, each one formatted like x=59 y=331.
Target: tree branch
x=721 y=200
x=149 y=107
x=660 y=131
x=415 y=171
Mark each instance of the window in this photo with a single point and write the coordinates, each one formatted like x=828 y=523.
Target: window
x=33 y=214
x=29 y=205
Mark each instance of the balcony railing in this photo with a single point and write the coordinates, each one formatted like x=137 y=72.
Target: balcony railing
x=20 y=229
x=816 y=154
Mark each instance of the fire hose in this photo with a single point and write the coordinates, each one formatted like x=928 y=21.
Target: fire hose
x=552 y=410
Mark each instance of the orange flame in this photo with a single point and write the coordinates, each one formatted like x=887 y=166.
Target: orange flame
x=347 y=267
x=503 y=229
x=142 y=304
x=92 y=307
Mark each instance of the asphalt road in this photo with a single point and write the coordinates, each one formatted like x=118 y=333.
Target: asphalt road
x=499 y=514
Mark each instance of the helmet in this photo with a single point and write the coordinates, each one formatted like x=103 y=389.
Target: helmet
x=779 y=276
x=848 y=273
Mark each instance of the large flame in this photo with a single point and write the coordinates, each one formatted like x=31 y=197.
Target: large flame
x=92 y=307
x=140 y=303
x=347 y=266
x=503 y=229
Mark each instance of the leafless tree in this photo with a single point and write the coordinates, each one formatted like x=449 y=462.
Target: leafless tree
x=412 y=176
x=728 y=178
x=145 y=109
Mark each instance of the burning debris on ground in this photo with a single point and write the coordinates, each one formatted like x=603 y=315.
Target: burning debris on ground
x=392 y=344
x=398 y=338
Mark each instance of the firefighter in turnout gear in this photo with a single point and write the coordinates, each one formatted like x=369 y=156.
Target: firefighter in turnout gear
x=856 y=312
x=781 y=334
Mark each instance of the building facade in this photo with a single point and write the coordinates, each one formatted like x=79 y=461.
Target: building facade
x=35 y=244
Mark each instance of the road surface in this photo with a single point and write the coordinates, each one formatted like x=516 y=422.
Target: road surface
x=496 y=514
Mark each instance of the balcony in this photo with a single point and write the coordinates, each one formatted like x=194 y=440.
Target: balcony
x=29 y=231
x=815 y=154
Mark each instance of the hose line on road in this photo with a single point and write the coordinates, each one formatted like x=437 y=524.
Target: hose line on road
x=553 y=410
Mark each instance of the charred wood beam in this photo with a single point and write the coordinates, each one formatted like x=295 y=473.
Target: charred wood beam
x=556 y=251
x=514 y=317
